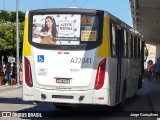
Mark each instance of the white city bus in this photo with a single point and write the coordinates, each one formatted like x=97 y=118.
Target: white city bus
x=87 y=57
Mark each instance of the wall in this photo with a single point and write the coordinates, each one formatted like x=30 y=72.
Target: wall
x=158 y=51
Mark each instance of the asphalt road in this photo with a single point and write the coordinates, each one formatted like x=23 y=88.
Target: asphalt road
x=11 y=100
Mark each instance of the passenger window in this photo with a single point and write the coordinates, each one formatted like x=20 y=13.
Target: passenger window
x=138 y=41
x=125 y=44
x=135 y=47
x=113 y=40
x=129 y=45
x=140 y=46
x=132 y=46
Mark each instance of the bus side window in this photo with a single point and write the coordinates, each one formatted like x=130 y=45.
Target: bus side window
x=129 y=45
x=135 y=47
x=138 y=42
x=140 y=46
x=125 y=44
x=132 y=46
x=113 y=40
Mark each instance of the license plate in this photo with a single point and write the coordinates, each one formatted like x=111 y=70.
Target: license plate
x=62 y=96
x=63 y=80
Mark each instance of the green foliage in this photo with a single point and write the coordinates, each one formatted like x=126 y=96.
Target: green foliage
x=11 y=16
x=8 y=32
x=4 y=15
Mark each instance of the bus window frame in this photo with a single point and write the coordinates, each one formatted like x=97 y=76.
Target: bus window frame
x=135 y=47
x=125 y=44
x=126 y=36
x=140 y=45
x=90 y=44
x=139 y=51
x=132 y=46
x=112 y=24
x=129 y=45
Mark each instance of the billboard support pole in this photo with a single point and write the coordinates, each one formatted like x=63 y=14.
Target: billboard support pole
x=17 y=39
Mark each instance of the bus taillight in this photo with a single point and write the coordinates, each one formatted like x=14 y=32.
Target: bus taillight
x=100 y=75
x=28 y=73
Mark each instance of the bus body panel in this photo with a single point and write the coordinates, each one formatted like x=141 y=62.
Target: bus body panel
x=61 y=65
x=112 y=76
x=28 y=93
x=91 y=96
x=71 y=97
x=131 y=69
x=129 y=73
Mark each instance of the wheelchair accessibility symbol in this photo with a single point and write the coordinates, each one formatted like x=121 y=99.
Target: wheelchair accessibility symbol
x=40 y=58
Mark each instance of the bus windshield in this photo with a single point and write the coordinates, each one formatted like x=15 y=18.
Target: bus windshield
x=65 y=29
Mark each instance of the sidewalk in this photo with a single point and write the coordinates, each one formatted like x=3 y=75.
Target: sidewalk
x=154 y=95
x=152 y=90
x=8 y=87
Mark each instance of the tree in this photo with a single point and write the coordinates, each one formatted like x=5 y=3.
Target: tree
x=8 y=38
x=8 y=33
x=21 y=31
x=4 y=15
x=21 y=16
x=12 y=16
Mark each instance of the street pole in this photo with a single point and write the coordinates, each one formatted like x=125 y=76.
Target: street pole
x=17 y=39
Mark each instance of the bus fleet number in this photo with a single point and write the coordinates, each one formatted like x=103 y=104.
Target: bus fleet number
x=80 y=60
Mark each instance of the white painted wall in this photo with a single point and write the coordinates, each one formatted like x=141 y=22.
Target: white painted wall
x=157 y=51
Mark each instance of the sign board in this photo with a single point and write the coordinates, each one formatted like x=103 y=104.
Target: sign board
x=11 y=59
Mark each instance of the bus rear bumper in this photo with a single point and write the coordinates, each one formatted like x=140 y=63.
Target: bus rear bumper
x=70 y=97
